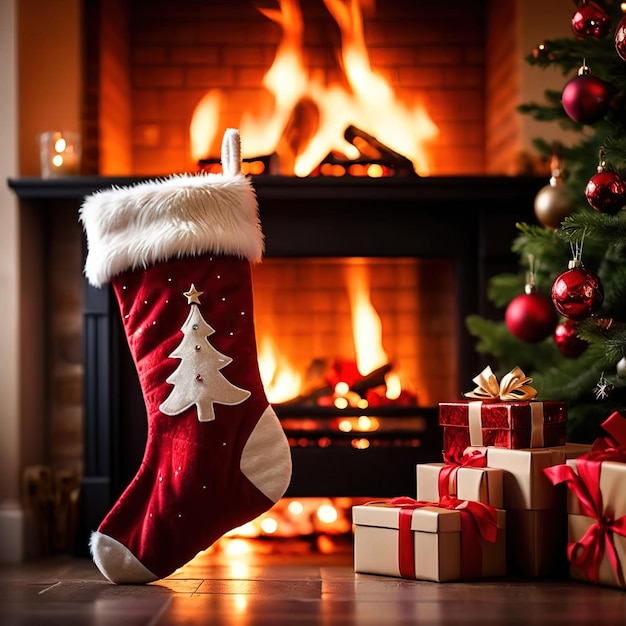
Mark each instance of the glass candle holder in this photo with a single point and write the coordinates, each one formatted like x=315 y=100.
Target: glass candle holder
x=60 y=153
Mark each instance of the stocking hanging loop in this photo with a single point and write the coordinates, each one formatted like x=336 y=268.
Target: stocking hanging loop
x=231 y=152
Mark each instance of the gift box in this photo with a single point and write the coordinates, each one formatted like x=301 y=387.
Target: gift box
x=536 y=514
x=596 y=522
x=427 y=541
x=525 y=484
x=503 y=415
x=596 y=507
x=478 y=484
x=513 y=425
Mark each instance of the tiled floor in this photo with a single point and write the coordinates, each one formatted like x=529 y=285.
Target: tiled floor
x=279 y=590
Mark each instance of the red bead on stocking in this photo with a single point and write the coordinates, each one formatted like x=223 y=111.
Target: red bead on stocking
x=178 y=254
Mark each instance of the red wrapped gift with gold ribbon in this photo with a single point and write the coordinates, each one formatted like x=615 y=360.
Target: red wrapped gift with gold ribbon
x=446 y=540
x=596 y=507
x=505 y=415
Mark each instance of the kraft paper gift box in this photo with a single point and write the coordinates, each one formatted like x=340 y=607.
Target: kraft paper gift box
x=478 y=484
x=426 y=543
x=502 y=414
x=536 y=513
x=596 y=506
x=596 y=535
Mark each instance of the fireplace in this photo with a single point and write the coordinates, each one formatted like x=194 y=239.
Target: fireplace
x=449 y=234
x=149 y=65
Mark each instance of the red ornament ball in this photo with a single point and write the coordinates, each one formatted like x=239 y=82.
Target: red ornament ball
x=585 y=98
x=566 y=340
x=591 y=20
x=577 y=293
x=531 y=317
x=606 y=192
x=620 y=39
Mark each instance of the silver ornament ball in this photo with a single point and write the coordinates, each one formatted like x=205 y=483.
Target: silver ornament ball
x=552 y=205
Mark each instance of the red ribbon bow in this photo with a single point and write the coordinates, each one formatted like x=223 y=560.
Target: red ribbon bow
x=588 y=552
x=613 y=446
x=478 y=521
x=454 y=460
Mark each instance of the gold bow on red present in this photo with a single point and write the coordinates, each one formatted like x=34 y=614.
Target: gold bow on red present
x=512 y=386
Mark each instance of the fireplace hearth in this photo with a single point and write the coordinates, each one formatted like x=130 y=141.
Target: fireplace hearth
x=469 y=222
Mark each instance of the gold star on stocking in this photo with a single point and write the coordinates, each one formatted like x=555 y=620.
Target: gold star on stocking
x=193 y=295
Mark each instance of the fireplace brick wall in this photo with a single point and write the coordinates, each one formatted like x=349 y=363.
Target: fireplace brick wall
x=179 y=51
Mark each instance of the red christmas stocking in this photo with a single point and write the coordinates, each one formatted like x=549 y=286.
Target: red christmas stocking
x=178 y=253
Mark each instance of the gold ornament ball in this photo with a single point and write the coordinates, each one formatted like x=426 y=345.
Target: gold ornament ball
x=621 y=367
x=552 y=205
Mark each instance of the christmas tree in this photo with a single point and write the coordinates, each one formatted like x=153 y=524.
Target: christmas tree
x=197 y=379
x=573 y=261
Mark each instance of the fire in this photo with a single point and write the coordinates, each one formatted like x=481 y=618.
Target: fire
x=281 y=382
x=394 y=386
x=284 y=382
x=366 y=324
x=309 y=118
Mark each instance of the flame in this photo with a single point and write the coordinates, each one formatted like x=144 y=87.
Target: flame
x=309 y=118
x=204 y=123
x=367 y=327
x=281 y=381
x=393 y=386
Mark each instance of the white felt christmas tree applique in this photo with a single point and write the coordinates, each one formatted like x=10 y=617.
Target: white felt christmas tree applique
x=198 y=379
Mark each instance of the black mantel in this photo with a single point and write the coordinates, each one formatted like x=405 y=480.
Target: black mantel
x=470 y=220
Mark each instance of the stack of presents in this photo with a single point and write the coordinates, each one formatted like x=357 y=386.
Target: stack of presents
x=511 y=497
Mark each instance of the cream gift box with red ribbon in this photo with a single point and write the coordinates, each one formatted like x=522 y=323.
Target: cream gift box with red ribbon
x=436 y=541
x=503 y=414
x=464 y=476
x=596 y=507
x=536 y=517
x=598 y=535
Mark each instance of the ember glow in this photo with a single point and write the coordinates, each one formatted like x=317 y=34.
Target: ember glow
x=309 y=118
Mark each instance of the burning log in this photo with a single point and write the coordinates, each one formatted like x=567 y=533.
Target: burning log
x=373 y=153
x=373 y=379
x=359 y=386
x=372 y=149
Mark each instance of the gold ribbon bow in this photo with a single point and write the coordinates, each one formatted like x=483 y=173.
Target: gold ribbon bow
x=512 y=386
